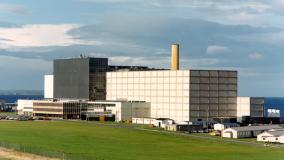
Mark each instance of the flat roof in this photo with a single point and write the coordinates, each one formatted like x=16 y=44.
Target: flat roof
x=252 y=128
x=276 y=133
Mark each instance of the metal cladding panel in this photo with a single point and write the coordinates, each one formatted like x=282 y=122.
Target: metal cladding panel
x=213 y=73
x=71 y=78
x=80 y=78
x=213 y=92
x=254 y=100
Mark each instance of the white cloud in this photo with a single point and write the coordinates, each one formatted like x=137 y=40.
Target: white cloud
x=107 y=1
x=16 y=9
x=40 y=35
x=201 y=63
x=243 y=17
x=279 y=3
x=140 y=61
x=272 y=38
x=216 y=49
x=255 y=56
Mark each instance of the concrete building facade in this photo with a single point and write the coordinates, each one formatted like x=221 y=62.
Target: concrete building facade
x=250 y=106
x=182 y=95
x=90 y=110
x=48 y=86
x=119 y=110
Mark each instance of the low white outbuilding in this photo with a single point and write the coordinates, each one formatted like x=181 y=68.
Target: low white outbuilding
x=157 y=122
x=148 y=121
x=275 y=136
x=222 y=126
x=248 y=131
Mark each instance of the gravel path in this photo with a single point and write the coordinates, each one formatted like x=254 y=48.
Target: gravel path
x=8 y=154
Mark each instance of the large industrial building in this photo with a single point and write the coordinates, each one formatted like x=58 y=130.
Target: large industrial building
x=80 y=78
x=182 y=95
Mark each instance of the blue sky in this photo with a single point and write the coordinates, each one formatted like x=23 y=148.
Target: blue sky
x=243 y=35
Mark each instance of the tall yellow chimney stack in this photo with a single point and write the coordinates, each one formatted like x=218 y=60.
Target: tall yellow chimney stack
x=175 y=57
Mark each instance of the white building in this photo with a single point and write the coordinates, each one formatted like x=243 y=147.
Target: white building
x=181 y=95
x=147 y=121
x=249 y=106
x=159 y=122
x=48 y=86
x=222 y=126
x=25 y=107
x=271 y=112
x=248 y=131
x=276 y=136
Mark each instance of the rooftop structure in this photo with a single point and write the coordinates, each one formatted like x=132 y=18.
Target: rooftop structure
x=130 y=68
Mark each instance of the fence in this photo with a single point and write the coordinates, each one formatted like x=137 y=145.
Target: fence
x=47 y=153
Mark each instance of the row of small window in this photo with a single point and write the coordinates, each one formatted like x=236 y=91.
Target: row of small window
x=212 y=114
x=213 y=94
x=213 y=107
x=149 y=74
x=148 y=80
x=213 y=100
x=178 y=80
x=171 y=114
x=213 y=80
x=213 y=73
x=168 y=99
x=244 y=133
x=149 y=94
x=179 y=73
x=213 y=87
x=148 y=87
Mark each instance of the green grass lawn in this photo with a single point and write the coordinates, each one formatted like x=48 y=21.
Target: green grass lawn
x=7 y=113
x=108 y=142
